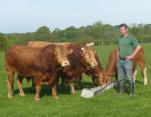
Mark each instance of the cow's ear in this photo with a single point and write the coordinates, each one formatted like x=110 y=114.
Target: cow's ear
x=70 y=51
x=90 y=44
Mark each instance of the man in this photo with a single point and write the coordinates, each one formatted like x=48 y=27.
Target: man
x=128 y=46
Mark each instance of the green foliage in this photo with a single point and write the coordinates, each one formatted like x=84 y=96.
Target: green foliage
x=142 y=32
x=12 y=40
x=43 y=29
x=99 y=33
x=43 y=33
x=3 y=43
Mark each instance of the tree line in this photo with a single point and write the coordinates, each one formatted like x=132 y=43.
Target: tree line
x=98 y=33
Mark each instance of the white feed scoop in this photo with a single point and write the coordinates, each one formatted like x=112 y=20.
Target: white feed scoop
x=88 y=93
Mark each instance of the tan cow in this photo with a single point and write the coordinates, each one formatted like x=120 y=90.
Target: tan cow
x=38 y=63
x=139 y=59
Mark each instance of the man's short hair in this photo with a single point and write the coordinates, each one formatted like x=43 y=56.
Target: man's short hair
x=123 y=25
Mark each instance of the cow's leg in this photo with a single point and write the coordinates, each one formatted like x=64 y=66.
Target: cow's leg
x=72 y=90
x=144 y=73
x=10 y=82
x=38 y=88
x=79 y=82
x=19 y=82
x=62 y=81
x=134 y=74
x=33 y=84
x=54 y=90
x=94 y=82
x=53 y=84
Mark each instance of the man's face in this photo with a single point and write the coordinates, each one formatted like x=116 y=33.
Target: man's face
x=123 y=31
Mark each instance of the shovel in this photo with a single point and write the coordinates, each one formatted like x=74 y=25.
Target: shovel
x=90 y=92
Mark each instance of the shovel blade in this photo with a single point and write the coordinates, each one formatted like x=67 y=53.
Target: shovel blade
x=87 y=93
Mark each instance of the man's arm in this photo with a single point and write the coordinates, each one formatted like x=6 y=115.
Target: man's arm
x=134 y=53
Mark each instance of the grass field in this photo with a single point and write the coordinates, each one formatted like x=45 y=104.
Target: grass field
x=107 y=104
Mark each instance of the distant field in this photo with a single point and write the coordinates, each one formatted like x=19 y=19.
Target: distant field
x=107 y=104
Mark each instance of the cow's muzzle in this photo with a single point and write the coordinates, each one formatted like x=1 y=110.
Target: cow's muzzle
x=94 y=64
x=65 y=63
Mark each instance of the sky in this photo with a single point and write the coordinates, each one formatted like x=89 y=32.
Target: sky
x=28 y=15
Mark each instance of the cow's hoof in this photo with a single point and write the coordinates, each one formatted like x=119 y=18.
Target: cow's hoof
x=56 y=97
x=22 y=94
x=72 y=93
x=10 y=96
x=145 y=83
x=37 y=99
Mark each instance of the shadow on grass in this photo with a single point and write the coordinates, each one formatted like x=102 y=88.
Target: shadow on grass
x=126 y=86
x=139 y=82
x=61 y=89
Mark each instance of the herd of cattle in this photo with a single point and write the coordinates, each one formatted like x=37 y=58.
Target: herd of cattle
x=48 y=62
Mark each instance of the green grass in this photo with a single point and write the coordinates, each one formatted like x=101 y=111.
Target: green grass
x=107 y=104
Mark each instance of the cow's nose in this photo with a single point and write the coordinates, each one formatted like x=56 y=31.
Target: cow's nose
x=94 y=64
x=66 y=63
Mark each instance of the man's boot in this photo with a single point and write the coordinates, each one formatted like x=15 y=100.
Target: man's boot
x=131 y=89
x=121 y=87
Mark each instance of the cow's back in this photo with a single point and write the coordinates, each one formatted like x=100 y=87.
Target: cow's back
x=26 y=60
x=43 y=43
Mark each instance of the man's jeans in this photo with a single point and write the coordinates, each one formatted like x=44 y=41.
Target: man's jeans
x=125 y=70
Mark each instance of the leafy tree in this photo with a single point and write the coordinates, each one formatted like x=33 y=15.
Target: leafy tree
x=42 y=33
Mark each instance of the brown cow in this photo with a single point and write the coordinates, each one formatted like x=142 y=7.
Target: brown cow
x=139 y=59
x=41 y=63
x=96 y=73
x=83 y=59
x=79 y=66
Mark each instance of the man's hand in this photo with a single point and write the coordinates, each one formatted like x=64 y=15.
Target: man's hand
x=130 y=57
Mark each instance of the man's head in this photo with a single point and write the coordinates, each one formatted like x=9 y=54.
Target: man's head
x=123 y=29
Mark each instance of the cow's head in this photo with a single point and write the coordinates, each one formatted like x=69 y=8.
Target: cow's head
x=88 y=56
x=98 y=76
x=107 y=77
x=101 y=79
x=62 y=54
